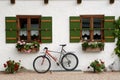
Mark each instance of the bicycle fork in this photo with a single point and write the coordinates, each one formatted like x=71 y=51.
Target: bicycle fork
x=43 y=60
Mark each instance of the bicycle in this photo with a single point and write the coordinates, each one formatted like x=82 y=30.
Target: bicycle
x=68 y=60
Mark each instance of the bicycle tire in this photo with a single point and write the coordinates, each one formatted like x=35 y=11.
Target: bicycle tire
x=67 y=63
x=46 y=64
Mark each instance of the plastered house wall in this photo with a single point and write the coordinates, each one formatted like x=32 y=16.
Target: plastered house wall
x=60 y=10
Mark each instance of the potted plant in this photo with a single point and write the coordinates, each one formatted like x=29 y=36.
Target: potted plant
x=11 y=66
x=22 y=46
x=117 y=35
x=97 y=65
x=92 y=46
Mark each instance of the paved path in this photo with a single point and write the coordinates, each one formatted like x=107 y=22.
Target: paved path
x=30 y=75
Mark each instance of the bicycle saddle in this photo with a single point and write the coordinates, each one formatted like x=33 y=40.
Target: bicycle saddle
x=63 y=45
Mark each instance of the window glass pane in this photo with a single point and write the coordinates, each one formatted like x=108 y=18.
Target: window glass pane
x=85 y=22
x=86 y=26
x=85 y=34
x=97 y=22
x=34 y=29
x=97 y=35
x=23 y=29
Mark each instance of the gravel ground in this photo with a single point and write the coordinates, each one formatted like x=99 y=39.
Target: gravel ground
x=75 y=75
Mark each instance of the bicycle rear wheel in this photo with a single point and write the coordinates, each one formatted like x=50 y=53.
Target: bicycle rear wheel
x=69 y=61
x=41 y=64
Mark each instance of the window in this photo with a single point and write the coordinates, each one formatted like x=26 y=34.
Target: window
x=29 y=28
x=92 y=27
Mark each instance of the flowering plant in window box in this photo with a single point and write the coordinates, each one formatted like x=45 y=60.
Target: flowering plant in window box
x=22 y=46
x=11 y=66
x=92 y=46
x=97 y=65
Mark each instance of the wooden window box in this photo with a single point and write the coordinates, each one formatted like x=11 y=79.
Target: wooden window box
x=92 y=49
x=34 y=50
x=92 y=46
x=24 y=47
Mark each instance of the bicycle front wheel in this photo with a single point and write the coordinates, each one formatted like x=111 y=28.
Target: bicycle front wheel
x=69 y=61
x=41 y=64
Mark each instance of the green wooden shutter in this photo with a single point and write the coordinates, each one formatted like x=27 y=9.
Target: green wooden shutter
x=109 y=26
x=75 y=29
x=11 y=30
x=46 y=29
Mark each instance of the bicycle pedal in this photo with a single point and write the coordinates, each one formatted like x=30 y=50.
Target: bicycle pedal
x=57 y=64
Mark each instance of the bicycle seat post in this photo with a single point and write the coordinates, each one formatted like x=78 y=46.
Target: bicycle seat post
x=63 y=45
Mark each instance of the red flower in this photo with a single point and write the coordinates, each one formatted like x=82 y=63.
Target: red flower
x=5 y=65
x=11 y=66
x=101 y=61
x=16 y=67
x=8 y=62
x=98 y=65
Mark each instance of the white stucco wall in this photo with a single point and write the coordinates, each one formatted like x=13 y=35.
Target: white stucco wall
x=60 y=11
